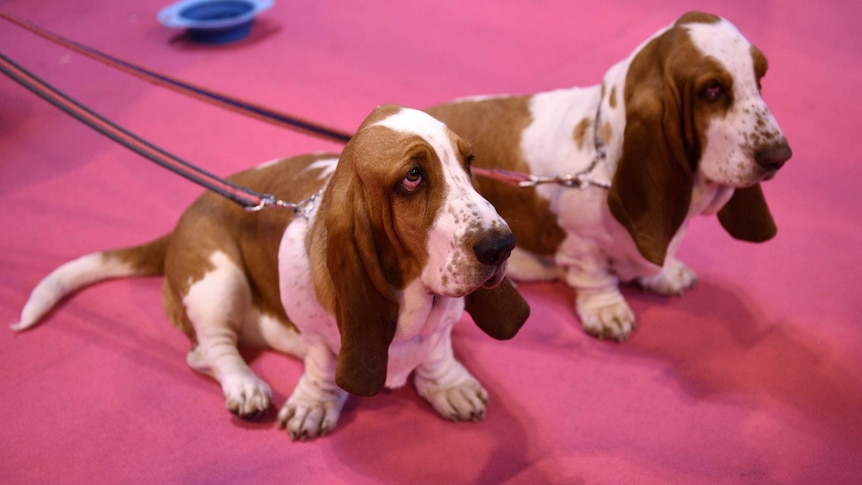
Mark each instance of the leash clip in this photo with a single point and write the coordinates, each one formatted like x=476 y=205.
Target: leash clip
x=303 y=209
x=265 y=201
x=300 y=209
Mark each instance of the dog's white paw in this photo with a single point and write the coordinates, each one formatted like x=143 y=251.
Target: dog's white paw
x=673 y=279
x=246 y=395
x=311 y=411
x=465 y=400
x=605 y=314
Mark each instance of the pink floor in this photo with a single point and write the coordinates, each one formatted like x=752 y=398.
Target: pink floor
x=755 y=376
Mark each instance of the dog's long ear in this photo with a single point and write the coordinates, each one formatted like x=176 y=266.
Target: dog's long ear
x=366 y=309
x=651 y=190
x=500 y=312
x=746 y=216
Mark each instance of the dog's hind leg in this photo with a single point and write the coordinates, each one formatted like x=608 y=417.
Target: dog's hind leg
x=218 y=305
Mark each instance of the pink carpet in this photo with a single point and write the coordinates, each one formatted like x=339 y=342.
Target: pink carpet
x=755 y=376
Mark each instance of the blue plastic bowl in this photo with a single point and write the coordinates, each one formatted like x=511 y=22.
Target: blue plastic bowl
x=213 y=21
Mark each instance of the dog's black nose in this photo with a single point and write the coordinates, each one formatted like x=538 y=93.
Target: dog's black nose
x=494 y=250
x=772 y=157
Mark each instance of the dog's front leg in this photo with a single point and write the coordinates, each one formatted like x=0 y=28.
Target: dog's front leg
x=449 y=387
x=315 y=405
x=601 y=307
x=675 y=277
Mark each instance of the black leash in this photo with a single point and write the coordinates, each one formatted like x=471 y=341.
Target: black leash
x=582 y=180
x=248 y=198
x=219 y=99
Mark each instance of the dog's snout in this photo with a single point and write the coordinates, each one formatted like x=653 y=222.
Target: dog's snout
x=772 y=157
x=496 y=249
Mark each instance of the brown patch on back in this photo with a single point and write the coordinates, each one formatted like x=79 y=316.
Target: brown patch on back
x=612 y=101
x=580 y=133
x=249 y=239
x=493 y=127
x=605 y=131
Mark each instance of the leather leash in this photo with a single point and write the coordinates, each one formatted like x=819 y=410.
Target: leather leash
x=248 y=198
x=219 y=99
x=581 y=180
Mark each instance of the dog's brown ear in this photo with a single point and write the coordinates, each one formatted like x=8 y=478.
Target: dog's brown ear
x=651 y=189
x=746 y=216
x=500 y=311
x=365 y=307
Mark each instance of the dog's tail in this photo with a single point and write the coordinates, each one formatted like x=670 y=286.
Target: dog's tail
x=144 y=260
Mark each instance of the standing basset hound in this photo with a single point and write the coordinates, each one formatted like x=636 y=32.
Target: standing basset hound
x=675 y=130
x=365 y=285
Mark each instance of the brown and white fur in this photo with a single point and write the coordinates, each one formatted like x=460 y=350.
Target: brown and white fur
x=685 y=132
x=366 y=289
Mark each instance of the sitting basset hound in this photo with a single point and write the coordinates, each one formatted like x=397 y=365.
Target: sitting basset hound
x=677 y=129
x=365 y=284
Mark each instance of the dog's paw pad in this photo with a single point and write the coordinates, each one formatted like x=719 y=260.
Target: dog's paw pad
x=466 y=401
x=247 y=397
x=614 y=321
x=306 y=419
x=673 y=280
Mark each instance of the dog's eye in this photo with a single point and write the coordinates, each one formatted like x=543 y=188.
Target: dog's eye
x=412 y=180
x=713 y=91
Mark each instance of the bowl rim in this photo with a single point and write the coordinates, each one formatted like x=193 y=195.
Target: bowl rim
x=171 y=16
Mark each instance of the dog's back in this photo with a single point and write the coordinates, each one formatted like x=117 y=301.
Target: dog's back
x=211 y=224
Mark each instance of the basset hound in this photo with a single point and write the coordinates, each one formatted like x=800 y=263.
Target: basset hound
x=677 y=129
x=365 y=286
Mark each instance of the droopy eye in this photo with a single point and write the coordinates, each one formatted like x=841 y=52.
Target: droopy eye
x=412 y=180
x=713 y=91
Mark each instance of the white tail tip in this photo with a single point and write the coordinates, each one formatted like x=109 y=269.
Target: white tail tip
x=19 y=326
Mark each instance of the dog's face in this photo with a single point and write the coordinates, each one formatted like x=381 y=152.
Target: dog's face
x=402 y=208
x=416 y=176
x=694 y=111
x=740 y=140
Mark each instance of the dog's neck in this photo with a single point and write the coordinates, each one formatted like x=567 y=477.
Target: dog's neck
x=707 y=198
x=610 y=121
x=415 y=306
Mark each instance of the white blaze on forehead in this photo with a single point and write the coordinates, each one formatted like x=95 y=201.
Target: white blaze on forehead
x=418 y=122
x=724 y=43
x=459 y=191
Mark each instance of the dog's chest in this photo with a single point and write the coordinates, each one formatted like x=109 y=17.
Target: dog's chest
x=424 y=322
x=296 y=288
x=424 y=327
